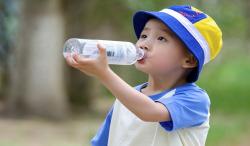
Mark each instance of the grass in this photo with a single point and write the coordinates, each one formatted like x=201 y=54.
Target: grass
x=227 y=129
x=40 y=132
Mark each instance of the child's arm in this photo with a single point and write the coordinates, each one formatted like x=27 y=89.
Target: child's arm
x=138 y=103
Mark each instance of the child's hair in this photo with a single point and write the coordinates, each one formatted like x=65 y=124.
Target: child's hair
x=191 y=71
x=198 y=32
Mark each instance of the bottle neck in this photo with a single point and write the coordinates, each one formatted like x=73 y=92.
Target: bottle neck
x=139 y=53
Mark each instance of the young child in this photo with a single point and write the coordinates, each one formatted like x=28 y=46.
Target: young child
x=169 y=109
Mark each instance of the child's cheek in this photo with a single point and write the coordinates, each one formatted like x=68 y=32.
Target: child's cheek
x=160 y=62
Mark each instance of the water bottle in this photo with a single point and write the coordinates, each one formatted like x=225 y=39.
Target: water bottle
x=118 y=52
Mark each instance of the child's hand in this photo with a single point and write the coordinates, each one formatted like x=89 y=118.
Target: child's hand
x=90 y=66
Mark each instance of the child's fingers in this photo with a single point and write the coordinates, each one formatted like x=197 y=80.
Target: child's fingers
x=70 y=61
x=82 y=60
x=99 y=46
x=102 y=51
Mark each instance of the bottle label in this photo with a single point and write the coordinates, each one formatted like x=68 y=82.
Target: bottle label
x=110 y=53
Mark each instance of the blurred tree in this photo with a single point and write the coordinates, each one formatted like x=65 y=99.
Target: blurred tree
x=81 y=89
x=3 y=34
x=3 y=45
x=36 y=85
x=7 y=29
x=95 y=20
x=247 y=14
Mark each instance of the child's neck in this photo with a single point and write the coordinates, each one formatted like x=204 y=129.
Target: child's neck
x=157 y=85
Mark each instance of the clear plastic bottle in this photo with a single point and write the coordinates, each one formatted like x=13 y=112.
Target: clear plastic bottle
x=118 y=52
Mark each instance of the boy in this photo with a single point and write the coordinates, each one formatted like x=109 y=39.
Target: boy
x=169 y=109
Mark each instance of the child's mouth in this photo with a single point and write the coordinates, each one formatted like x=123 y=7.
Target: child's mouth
x=141 y=61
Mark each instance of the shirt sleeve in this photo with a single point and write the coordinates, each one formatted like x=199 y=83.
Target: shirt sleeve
x=186 y=110
x=101 y=138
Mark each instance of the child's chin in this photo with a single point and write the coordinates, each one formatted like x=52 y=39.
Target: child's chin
x=140 y=67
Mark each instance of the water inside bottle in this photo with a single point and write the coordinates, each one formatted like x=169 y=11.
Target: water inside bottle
x=71 y=46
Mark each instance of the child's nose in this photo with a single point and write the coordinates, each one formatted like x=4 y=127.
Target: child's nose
x=145 y=45
x=144 y=48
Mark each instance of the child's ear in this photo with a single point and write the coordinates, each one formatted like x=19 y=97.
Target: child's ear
x=190 y=61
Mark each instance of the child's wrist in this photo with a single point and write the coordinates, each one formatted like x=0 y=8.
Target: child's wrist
x=105 y=74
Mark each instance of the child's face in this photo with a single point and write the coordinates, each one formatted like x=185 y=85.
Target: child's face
x=165 y=53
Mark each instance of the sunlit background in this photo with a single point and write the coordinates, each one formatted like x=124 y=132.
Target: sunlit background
x=44 y=102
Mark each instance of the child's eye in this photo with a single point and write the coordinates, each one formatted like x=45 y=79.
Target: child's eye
x=143 y=36
x=162 y=38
